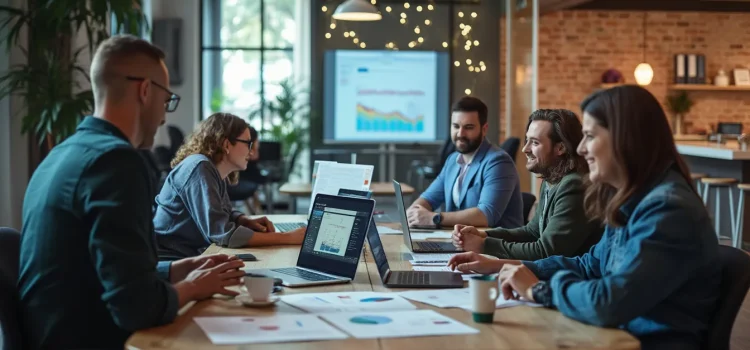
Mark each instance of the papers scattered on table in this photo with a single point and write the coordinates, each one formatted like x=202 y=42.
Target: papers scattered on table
x=421 y=236
x=460 y=298
x=423 y=259
x=385 y=230
x=395 y=324
x=267 y=329
x=347 y=301
x=331 y=177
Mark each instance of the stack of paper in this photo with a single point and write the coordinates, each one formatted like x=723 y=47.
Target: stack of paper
x=331 y=177
x=397 y=324
x=347 y=301
x=385 y=230
x=268 y=329
x=423 y=236
x=445 y=298
x=430 y=259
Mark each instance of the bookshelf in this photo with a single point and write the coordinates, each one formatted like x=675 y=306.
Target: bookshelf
x=707 y=87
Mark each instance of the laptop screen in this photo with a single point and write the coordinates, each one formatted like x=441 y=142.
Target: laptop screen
x=401 y=207
x=376 y=247
x=335 y=234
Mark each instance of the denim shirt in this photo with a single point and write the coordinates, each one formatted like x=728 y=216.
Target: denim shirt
x=656 y=277
x=193 y=211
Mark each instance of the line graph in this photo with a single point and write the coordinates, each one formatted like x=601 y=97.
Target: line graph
x=334 y=232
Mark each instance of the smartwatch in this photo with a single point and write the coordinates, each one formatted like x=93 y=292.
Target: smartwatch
x=437 y=218
x=542 y=294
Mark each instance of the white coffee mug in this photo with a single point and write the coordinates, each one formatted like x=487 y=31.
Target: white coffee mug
x=484 y=292
x=259 y=288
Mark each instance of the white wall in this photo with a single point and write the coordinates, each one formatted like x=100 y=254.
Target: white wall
x=14 y=152
x=187 y=114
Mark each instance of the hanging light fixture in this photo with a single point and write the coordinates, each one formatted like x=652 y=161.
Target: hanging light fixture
x=357 y=10
x=643 y=72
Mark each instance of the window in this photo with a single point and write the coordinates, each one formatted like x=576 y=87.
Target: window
x=248 y=49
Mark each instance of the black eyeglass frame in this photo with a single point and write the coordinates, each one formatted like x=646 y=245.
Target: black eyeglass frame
x=168 y=104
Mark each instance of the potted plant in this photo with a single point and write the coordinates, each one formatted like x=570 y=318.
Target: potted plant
x=53 y=83
x=286 y=119
x=679 y=104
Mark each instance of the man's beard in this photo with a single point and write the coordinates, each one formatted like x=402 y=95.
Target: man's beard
x=469 y=145
x=544 y=168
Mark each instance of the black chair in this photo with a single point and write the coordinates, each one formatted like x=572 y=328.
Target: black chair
x=735 y=282
x=429 y=170
x=10 y=330
x=510 y=145
x=528 y=202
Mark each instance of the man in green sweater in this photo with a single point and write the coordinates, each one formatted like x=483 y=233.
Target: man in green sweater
x=560 y=225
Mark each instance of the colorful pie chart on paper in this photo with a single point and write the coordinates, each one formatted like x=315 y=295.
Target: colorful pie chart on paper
x=375 y=300
x=370 y=320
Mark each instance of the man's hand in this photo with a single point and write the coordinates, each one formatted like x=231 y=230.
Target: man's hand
x=209 y=279
x=296 y=236
x=419 y=215
x=518 y=278
x=468 y=238
x=179 y=269
x=471 y=262
x=261 y=224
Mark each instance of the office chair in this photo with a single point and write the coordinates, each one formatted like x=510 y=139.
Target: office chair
x=528 y=200
x=735 y=282
x=10 y=329
x=511 y=145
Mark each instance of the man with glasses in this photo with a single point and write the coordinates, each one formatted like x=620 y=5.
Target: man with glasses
x=89 y=275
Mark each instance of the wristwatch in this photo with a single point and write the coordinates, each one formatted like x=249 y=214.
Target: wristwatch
x=542 y=294
x=437 y=218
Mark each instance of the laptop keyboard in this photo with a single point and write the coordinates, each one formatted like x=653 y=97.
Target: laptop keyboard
x=413 y=278
x=288 y=226
x=432 y=246
x=306 y=275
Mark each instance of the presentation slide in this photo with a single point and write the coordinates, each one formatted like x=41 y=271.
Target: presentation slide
x=334 y=232
x=386 y=96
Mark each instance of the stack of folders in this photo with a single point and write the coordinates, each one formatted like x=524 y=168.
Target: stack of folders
x=689 y=68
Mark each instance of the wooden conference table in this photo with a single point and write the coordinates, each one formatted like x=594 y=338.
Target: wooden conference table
x=519 y=327
x=378 y=189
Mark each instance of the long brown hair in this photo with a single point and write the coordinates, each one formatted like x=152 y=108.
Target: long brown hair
x=642 y=143
x=208 y=139
x=566 y=129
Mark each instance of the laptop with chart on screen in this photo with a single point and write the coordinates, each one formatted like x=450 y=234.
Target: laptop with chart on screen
x=332 y=245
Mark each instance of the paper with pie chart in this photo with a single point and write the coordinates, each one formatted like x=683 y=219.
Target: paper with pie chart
x=267 y=329
x=347 y=301
x=395 y=324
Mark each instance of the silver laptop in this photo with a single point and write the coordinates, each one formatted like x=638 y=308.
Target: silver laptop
x=332 y=245
x=421 y=246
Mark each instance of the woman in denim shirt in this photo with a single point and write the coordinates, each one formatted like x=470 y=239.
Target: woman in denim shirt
x=655 y=272
x=193 y=208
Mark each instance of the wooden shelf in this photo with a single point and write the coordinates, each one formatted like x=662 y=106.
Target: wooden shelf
x=707 y=87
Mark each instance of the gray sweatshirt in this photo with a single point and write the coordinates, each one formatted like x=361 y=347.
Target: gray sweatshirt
x=193 y=211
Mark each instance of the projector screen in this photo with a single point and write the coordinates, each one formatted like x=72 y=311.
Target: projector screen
x=373 y=96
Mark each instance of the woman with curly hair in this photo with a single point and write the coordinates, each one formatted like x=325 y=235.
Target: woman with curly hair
x=193 y=208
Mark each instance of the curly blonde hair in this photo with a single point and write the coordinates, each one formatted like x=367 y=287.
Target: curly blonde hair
x=208 y=139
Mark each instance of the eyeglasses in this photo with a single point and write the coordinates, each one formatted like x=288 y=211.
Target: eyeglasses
x=170 y=105
x=249 y=143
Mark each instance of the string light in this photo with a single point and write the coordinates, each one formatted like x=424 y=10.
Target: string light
x=473 y=15
x=374 y=2
x=416 y=30
x=328 y=35
x=419 y=8
x=445 y=44
x=468 y=61
x=430 y=7
x=460 y=14
x=362 y=45
x=406 y=5
x=355 y=40
x=476 y=42
x=471 y=68
x=427 y=22
x=346 y=34
x=412 y=44
x=333 y=25
x=388 y=9
x=403 y=21
x=351 y=33
x=403 y=15
x=468 y=91
x=324 y=8
x=420 y=39
x=456 y=63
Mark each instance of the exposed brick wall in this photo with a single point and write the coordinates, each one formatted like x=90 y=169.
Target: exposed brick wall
x=576 y=47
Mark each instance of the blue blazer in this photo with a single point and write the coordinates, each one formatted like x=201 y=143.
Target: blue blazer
x=491 y=184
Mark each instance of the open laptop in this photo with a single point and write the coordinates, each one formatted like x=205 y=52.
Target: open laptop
x=332 y=245
x=422 y=246
x=291 y=226
x=408 y=279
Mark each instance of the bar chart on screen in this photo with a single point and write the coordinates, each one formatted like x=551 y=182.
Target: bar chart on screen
x=334 y=232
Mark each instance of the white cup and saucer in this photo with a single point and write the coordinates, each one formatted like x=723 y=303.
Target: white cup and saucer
x=259 y=290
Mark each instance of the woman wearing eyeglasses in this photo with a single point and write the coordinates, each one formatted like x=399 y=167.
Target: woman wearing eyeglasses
x=193 y=208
